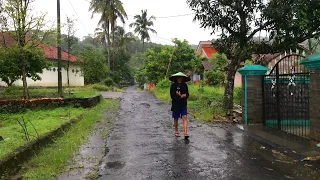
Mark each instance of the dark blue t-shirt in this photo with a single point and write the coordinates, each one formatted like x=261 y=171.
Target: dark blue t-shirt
x=179 y=103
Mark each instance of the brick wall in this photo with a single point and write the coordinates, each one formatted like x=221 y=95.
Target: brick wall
x=315 y=105
x=255 y=99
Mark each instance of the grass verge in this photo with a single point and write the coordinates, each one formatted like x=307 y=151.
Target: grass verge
x=51 y=92
x=48 y=163
x=205 y=104
x=44 y=121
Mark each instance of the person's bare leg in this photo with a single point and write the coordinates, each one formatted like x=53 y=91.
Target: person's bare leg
x=176 y=125
x=185 y=125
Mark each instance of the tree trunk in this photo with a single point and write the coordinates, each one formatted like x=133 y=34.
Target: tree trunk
x=229 y=86
x=142 y=45
x=109 y=43
x=310 y=48
x=10 y=83
x=68 y=66
x=24 y=80
x=112 y=31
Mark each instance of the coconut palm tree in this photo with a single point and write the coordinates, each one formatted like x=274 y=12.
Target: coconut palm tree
x=122 y=38
x=142 y=26
x=110 y=11
x=118 y=12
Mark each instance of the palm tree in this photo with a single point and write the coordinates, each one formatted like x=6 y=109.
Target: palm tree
x=122 y=39
x=118 y=12
x=142 y=26
x=110 y=11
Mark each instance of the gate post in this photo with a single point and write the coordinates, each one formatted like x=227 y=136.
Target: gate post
x=313 y=63
x=252 y=88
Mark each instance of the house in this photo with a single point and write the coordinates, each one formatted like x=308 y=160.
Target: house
x=270 y=60
x=50 y=76
x=205 y=49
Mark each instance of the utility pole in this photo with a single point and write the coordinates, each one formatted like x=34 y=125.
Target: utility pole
x=59 y=49
x=169 y=64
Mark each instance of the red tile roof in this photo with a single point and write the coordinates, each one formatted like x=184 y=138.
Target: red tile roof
x=209 y=51
x=50 y=52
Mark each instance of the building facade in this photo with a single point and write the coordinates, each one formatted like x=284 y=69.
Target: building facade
x=49 y=77
x=205 y=49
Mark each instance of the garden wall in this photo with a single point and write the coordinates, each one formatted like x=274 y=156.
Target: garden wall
x=14 y=106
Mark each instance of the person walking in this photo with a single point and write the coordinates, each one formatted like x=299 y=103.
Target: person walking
x=179 y=94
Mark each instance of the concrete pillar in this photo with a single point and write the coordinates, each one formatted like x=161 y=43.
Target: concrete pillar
x=252 y=106
x=313 y=63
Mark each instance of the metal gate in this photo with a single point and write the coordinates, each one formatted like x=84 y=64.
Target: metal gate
x=286 y=96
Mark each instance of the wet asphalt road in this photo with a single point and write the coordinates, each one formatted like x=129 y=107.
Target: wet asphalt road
x=142 y=146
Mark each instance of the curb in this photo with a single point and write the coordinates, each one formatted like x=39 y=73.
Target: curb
x=11 y=164
x=282 y=149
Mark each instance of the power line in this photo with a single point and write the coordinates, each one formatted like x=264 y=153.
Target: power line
x=79 y=18
x=173 y=16
x=168 y=40
x=162 y=17
x=164 y=40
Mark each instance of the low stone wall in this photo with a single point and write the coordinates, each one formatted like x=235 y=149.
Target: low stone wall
x=11 y=164
x=14 y=106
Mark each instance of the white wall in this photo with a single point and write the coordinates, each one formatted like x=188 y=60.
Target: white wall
x=195 y=77
x=50 y=77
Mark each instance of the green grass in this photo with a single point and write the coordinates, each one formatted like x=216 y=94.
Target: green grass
x=48 y=163
x=199 y=102
x=44 y=121
x=50 y=92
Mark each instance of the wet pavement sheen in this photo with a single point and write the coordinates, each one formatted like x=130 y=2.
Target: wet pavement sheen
x=143 y=146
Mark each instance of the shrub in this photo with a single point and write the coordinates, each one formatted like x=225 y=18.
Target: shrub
x=237 y=95
x=140 y=78
x=216 y=77
x=165 y=83
x=108 y=82
x=101 y=87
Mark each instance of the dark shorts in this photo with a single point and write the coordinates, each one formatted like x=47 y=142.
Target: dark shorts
x=180 y=114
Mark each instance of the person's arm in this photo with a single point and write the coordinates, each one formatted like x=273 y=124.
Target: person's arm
x=172 y=92
x=187 y=93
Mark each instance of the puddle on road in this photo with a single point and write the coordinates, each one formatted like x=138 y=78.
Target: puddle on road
x=115 y=165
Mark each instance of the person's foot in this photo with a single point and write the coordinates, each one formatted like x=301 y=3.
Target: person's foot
x=177 y=134
x=186 y=137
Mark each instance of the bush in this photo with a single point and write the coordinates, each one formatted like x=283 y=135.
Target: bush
x=108 y=82
x=215 y=78
x=140 y=78
x=165 y=83
x=101 y=87
x=237 y=95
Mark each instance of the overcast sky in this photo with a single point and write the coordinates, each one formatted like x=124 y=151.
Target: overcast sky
x=181 y=27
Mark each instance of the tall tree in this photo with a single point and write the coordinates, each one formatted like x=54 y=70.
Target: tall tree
x=71 y=40
x=117 y=12
x=123 y=38
x=156 y=62
x=26 y=29
x=142 y=25
x=110 y=11
x=10 y=58
x=287 y=24
x=3 y=20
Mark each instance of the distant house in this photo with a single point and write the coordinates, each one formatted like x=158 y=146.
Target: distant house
x=50 y=76
x=206 y=49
